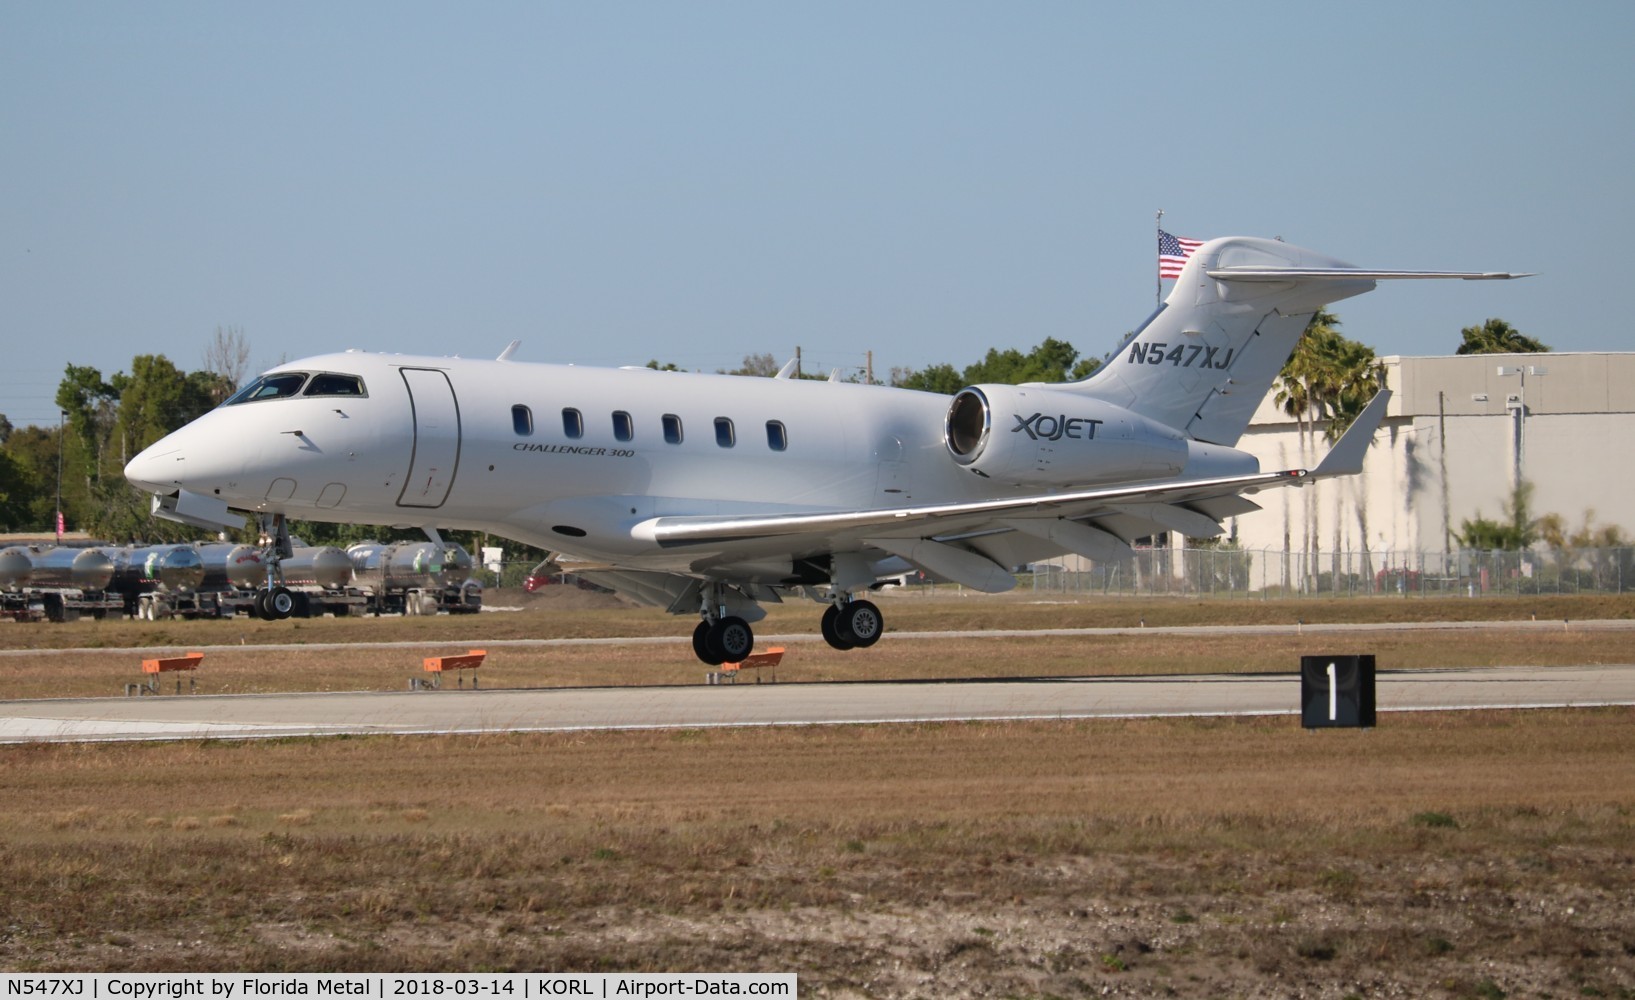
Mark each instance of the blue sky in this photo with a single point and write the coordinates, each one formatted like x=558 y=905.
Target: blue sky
x=614 y=182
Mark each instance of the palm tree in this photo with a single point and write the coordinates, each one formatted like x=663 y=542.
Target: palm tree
x=1300 y=392
x=1328 y=376
x=1498 y=337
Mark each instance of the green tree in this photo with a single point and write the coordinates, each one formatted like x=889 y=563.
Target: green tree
x=937 y=378
x=90 y=404
x=157 y=398
x=1498 y=337
x=1052 y=361
x=31 y=453
x=1517 y=529
x=1328 y=377
x=15 y=494
x=758 y=365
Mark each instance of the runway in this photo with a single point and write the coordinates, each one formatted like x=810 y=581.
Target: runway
x=186 y=717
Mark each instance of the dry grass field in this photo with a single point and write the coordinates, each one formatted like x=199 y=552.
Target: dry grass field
x=92 y=659
x=1457 y=855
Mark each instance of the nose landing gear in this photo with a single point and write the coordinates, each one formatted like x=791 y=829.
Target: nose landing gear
x=274 y=602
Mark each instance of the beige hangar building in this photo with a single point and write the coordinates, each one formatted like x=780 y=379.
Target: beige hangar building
x=1457 y=434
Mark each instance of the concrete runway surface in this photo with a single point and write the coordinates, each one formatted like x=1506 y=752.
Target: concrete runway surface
x=175 y=717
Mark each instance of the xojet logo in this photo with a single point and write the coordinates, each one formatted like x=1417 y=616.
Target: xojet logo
x=1040 y=427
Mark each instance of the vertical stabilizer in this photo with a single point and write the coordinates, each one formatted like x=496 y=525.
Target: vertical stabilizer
x=1208 y=356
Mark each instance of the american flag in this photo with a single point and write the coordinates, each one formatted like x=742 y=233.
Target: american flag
x=1173 y=252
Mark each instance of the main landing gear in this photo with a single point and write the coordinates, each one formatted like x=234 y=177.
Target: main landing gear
x=849 y=624
x=720 y=637
x=726 y=638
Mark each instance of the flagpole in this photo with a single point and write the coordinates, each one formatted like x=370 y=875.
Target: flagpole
x=1158 y=283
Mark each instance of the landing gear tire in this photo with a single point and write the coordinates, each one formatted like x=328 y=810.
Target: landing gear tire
x=275 y=604
x=831 y=635
x=860 y=623
x=729 y=640
x=280 y=602
x=701 y=645
x=732 y=638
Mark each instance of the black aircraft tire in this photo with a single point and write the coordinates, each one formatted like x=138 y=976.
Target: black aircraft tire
x=831 y=635
x=261 y=610
x=701 y=645
x=732 y=638
x=280 y=603
x=860 y=623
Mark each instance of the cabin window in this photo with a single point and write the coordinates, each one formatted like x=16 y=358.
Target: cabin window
x=623 y=427
x=522 y=420
x=672 y=428
x=269 y=387
x=573 y=423
x=330 y=384
x=723 y=432
x=777 y=436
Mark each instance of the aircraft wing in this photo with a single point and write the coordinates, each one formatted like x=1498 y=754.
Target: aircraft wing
x=974 y=542
x=935 y=518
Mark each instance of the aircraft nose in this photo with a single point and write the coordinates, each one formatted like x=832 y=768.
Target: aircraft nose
x=158 y=467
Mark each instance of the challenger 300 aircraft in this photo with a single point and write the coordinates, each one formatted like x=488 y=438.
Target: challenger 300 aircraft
x=709 y=495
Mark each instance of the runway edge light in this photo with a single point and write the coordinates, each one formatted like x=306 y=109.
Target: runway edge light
x=1337 y=692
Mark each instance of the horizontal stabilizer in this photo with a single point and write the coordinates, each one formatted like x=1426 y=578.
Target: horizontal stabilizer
x=1350 y=274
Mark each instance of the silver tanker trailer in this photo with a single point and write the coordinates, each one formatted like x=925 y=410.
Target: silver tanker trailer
x=415 y=578
x=319 y=577
x=15 y=567
x=152 y=577
x=68 y=582
x=199 y=580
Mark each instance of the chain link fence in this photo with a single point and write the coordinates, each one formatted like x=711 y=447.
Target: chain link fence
x=1268 y=573
x=1271 y=573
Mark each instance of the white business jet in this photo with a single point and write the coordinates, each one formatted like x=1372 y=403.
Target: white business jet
x=710 y=495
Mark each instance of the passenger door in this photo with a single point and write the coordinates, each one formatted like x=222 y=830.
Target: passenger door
x=436 y=453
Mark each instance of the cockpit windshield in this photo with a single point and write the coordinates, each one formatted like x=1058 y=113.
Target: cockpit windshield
x=331 y=384
x=274 y=386
x=279 y=385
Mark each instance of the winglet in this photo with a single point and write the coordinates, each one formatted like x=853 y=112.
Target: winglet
x=1346 y=457
x=510 y=349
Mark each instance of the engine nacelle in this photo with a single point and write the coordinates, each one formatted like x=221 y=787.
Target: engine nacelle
x=1035 y=436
